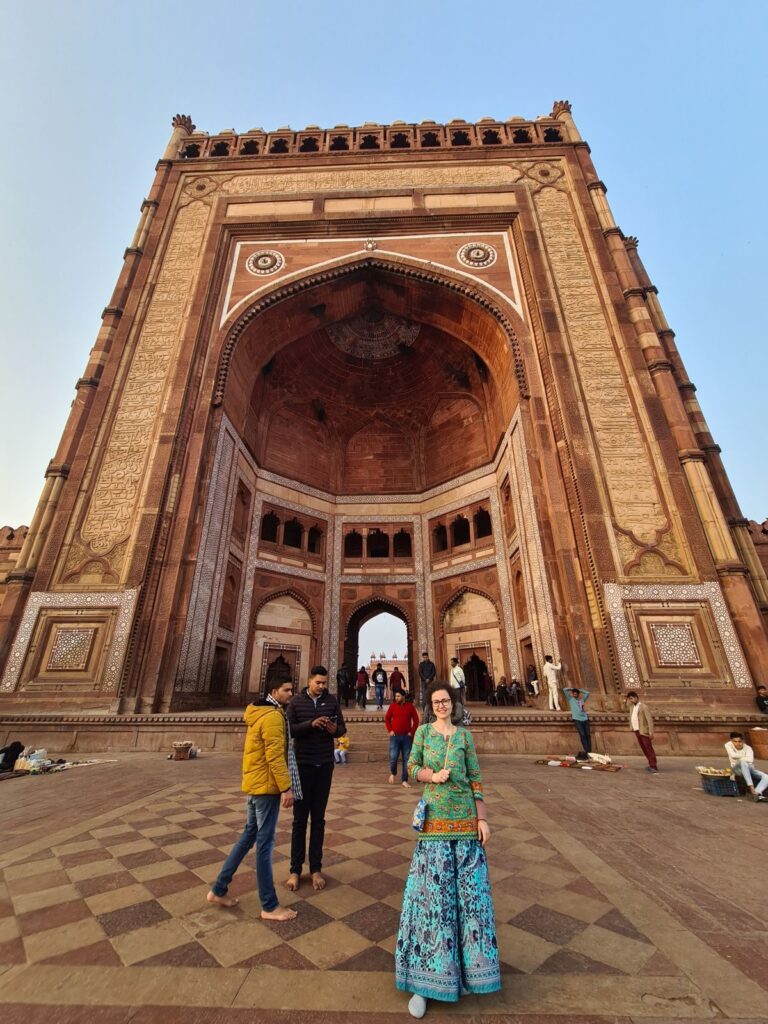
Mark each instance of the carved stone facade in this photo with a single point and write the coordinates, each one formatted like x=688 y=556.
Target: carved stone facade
x=424 y=380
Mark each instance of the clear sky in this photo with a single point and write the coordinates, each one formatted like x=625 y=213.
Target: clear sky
x=671 y=97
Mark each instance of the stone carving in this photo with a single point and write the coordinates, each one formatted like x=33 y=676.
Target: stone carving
x=183 y=121
x=70 y=650
x=374 y=334
x=634 y=494
x=115 y=492
x=124 y=602
x=618 y=594
x=542 y=626
x=477 y=255
x=265 y=262
x=675 y=644
x=386 y=178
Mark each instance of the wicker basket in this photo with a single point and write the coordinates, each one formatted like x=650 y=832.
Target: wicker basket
x=180 y=751
x=719 y=785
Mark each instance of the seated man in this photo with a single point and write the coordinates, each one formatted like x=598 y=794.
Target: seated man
x=741 y=759
x=502 y=693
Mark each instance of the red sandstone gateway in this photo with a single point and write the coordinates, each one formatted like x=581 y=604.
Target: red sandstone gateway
x=429 y=376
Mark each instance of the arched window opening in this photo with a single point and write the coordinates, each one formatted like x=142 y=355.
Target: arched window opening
x=378 y=544
x=309 y=145
x=483 y=526
x=552 y=135
x=229 y=602
x=440 y=538
x=521 y=605
x=521 y=135
x=293 y=533
x=491 y=137
x=401 y=544
x=314 y=540
x=190 y=152
x=220 y=149
x=338 y=143
x=460 y=531
x=353 y=545
x=249 y=148
x=269 y=525
x=370 y=142
x=460 y=138
x=240 y=515
x=279 y=146
x=429 y=140
x=400 y=141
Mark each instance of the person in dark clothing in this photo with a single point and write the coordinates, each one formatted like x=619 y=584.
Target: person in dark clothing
x=396 y=680
x=9 y=755
x=362 y=687
x=314 y=717
x=380 y=683
x=427 y=675
x=762 y=700
x=343 y=685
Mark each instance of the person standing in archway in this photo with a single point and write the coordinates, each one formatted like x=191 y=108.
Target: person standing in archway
x=396 y=681
x=315 y=717
x=380 y=684
x=362 y=687
x=343 y=685
x=427 y=675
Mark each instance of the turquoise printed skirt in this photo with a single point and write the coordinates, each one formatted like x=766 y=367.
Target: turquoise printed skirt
x=446 y=943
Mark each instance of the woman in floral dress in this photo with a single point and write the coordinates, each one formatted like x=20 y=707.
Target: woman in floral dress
x=446 y=943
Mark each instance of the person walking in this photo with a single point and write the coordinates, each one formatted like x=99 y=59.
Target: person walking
x=361 y=685
x=446 y=943
x=401 y=721
x=576 y=700
x=427 y=674
x=396 y=680
x=380 y=684
x=641 y=724
x=551 y=678
x=315 y=717
x=271 y=780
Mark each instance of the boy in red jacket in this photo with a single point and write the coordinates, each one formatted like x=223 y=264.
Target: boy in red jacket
x=401 y=722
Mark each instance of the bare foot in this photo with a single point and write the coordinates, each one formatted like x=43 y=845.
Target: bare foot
x=407 y=785
x=292 y=882
x=391 y=780
x=222 y=901
x=318 y=882
x=279 y=914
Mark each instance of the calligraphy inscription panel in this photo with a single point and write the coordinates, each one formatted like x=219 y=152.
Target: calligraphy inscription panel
x=115 y=493
x=626 y=466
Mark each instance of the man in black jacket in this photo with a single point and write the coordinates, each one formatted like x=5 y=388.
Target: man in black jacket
x=314 y=717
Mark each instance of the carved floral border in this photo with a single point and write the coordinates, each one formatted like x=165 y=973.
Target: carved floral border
x=617 y=595
x=124 y=601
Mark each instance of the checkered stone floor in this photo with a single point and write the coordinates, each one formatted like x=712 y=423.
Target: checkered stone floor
x=123 y=891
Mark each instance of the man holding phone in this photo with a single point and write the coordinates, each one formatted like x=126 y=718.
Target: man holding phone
x=314 y=717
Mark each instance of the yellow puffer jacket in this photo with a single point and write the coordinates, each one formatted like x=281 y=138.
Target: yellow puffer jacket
x=265 y=756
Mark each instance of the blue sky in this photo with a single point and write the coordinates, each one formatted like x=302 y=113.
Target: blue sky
x=670 y=96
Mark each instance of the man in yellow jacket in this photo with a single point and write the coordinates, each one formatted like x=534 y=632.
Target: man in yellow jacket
x=267 y=779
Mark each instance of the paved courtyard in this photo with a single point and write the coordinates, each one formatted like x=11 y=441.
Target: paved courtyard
x=619 y=898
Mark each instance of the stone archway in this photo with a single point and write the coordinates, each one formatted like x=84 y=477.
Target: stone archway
x=365 y=611
x=471 y=632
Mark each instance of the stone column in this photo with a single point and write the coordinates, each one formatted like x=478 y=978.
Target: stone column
x=182 y=127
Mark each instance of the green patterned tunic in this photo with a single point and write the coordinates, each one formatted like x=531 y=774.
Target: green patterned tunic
x=451 y=810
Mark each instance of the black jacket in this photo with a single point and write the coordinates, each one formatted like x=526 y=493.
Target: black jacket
x=313 y=746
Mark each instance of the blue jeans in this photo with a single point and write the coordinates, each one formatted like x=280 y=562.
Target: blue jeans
x=379 y=695
x=752 y=776
x=583 y=730
x=260 y=825
x=399 y=746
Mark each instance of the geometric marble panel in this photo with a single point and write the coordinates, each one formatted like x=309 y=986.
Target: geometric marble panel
x=675 y=644
x=70 y=650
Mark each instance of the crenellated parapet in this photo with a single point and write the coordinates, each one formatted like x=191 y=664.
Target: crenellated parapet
x=372 y=137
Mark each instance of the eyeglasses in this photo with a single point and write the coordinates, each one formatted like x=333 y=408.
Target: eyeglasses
x=440 y=703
